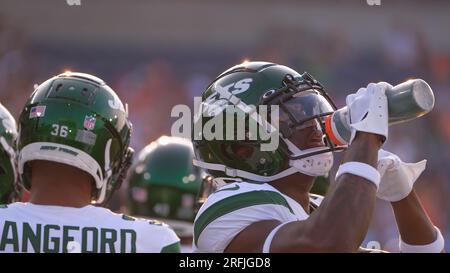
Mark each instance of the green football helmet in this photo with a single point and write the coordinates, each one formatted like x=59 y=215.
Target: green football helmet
x=164 y=184
x=8 y=174
x=76 y=119
x=301 y=102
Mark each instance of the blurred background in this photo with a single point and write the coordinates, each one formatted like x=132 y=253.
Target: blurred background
x=156 y=54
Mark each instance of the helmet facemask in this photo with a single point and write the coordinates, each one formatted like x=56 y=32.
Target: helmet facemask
x=304 y=106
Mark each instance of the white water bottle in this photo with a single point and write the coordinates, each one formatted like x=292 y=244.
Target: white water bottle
x=406 y=101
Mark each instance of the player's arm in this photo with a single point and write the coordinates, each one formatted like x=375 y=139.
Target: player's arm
x=342 y=220
x=339 y=224
x=413 y=223
x=417 y=232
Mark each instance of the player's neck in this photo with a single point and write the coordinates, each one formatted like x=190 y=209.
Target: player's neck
x=186 y=241
x=55 y=184
x=297 y=187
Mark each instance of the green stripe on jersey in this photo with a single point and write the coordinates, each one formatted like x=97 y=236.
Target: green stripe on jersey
x=173 y=248
x=236 y=202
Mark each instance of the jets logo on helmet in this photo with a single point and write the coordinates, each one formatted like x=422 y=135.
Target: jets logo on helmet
x=85 y=125
x=217 y=101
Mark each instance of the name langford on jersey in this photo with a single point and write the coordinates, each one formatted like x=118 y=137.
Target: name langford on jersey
x=24 y=237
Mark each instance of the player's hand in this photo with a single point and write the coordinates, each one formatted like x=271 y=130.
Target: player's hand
x=397 y=177
x=368 y=110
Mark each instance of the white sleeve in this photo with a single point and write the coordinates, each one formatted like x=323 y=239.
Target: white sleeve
x=170 y=240
x=216 y=236
x=269 y=239
x=154 y=238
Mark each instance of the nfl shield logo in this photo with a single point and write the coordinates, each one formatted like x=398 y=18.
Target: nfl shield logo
x=89 y=122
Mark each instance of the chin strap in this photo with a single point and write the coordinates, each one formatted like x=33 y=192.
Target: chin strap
x=315 y=165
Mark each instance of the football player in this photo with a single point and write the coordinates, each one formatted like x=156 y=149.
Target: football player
x=268 y=207
x=73 y=144
x=8 y=174
x=163 y=185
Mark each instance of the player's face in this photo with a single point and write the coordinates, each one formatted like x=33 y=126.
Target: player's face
x=298 y=114
x=308 y=137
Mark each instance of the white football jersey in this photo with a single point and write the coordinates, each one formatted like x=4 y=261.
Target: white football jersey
x=26 y=227
x=235 y=206
x=186 y=248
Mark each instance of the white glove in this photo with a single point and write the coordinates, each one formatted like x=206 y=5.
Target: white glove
x=397 y=177
x=368 y=110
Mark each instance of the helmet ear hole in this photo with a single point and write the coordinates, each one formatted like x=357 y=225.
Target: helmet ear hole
x=236 y=151
x=242 y=151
